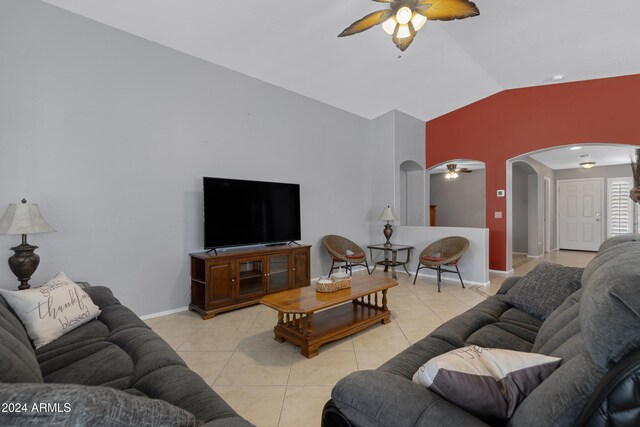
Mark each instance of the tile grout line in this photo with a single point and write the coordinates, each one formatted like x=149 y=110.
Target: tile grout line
x=286 y=387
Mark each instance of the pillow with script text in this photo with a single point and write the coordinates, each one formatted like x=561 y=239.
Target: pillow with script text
x=52 y=310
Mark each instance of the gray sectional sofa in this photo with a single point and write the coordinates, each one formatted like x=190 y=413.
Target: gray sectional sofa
x=596 y=332
x=113 y=370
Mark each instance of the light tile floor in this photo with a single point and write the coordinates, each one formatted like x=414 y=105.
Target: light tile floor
x=271 y=384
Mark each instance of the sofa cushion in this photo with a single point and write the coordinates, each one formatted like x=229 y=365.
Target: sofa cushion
x=67 y=404
x=616 y=240
x=610 y=304
x=560 y=325
x=486 y=382
x=376 y=398
x=19 y=363
x=53 y=309
x=559 y=399
x=119 y=350
x=544 y=288
x=490 y=323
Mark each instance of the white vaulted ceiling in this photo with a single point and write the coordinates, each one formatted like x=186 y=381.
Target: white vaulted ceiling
x=293 y=44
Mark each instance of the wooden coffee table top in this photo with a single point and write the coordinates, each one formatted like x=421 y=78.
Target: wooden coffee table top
x=307 y=300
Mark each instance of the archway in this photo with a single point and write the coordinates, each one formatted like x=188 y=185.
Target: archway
x=412 y=194
x=552 y=167
x=458 y=201
x=524 y=213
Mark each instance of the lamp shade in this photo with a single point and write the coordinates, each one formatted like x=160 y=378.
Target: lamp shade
x=23 y=218
x=388 y=214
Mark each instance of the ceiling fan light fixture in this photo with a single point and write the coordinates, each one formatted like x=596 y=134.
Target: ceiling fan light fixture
x=403 y=16
x=451 y=175
x=389 y=26
x=418 y=21
x=587 y=165
x=403 y=31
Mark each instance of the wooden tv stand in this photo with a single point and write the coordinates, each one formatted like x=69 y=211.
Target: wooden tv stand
x=237 y=278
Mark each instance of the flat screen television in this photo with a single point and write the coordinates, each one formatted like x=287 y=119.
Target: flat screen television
x=239 y=212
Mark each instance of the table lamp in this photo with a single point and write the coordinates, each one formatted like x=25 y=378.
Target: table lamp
x=24 y=218
x=388 y=215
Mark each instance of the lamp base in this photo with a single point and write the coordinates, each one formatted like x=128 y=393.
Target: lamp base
x=24 y=263
x=388 y=231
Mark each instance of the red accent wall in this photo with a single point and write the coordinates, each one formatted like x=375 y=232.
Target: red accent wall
x=518 y=121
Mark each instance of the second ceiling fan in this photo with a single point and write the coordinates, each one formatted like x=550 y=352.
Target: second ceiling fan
x=452 y=171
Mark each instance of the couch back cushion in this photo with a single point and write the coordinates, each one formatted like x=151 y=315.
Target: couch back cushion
x=19 y=363
x=560 y=325
x=610 y=305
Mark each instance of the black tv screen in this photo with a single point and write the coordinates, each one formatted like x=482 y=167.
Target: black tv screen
x=238 y=212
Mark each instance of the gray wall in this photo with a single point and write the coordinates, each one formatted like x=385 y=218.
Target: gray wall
x=534 y=242
x=382 y=185
x=111 y=135
x=460 y=202
x=409 y=141
x=520 y=209
x=616 y=171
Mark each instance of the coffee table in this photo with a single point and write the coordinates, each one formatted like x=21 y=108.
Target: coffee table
x=309 y=319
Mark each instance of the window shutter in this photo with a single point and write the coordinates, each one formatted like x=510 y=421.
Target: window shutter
x=620 y=208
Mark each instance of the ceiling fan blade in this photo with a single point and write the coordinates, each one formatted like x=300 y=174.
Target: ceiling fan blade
x=464 y=170
x=367 y=22
x=447 y=10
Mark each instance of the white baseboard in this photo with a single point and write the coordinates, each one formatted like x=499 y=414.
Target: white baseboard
x=501 y=272
x=164 y=313
x=519 y=253
x=453 y=279
x=534 y=256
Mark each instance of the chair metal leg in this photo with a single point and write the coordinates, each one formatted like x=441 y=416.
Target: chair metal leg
x=366 y=264
x=461 y=282
x=416 y=276
x=439 y=273
x=331 y=269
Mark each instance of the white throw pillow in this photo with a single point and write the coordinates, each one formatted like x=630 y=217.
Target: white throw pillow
x=52 y=310
x=486 y=382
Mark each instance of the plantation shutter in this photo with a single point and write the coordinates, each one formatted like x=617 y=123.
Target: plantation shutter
x=621 y=207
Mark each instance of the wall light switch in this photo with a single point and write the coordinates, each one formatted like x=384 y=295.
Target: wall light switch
x=498 y=215
x=500 y=193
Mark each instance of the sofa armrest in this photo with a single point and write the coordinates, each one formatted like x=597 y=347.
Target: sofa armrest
x=508 y=283
x=375 y=398
x=101 y=296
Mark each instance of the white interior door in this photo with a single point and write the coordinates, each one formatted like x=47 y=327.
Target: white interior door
x=580 y=214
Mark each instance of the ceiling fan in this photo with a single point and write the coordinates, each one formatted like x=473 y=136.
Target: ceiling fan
x=453 y=170
x=404 y=18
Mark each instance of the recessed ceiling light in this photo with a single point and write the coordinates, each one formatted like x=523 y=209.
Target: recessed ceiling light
x=575 y=148
x=587 y=165
x=557 y=78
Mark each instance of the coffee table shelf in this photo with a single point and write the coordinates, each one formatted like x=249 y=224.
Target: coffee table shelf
x=310 y=319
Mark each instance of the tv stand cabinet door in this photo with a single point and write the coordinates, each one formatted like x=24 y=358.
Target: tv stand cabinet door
x=301 y=270
x=279 y=273
x=251 y=281
x=219 y=284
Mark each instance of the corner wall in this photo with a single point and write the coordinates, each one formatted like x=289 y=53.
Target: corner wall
x=111 y=134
